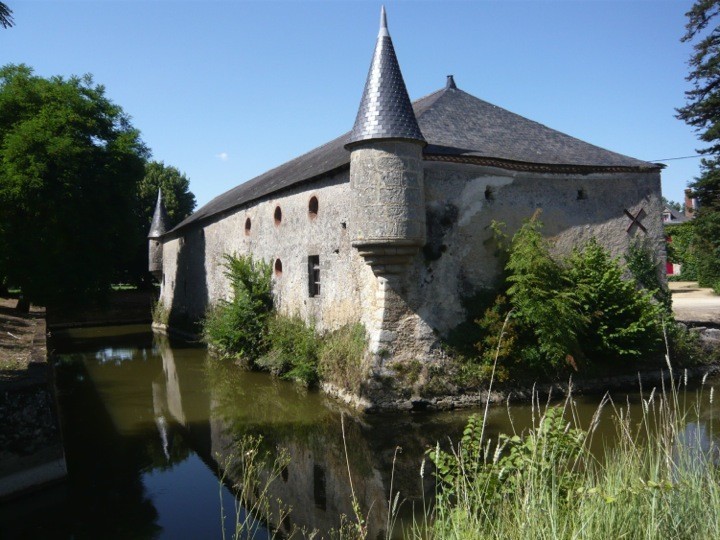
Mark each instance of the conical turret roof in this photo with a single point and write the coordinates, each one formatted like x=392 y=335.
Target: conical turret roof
x=158 y=227
x=385 y=109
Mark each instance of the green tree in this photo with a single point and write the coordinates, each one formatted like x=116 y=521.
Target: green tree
x=179 y=203
x=70 y=163
x=702 y=111
x=179 y=200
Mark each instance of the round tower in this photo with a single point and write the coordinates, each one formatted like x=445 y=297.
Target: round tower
x=158 y=227
x=386 y=170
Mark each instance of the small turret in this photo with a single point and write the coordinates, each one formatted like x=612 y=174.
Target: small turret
x=386 y=170
x=158 y=227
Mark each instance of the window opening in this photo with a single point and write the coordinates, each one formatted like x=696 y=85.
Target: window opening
x=278 y=215
x=314 y=275
x=581 y=195
x=489 y=196
x=278 y=267
x=313 y=207
x=248 y=226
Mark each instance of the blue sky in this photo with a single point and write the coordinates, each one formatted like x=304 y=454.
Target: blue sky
x=225 y=90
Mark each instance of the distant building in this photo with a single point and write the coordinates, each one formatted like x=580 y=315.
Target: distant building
x=670 y=217
x=389 y=224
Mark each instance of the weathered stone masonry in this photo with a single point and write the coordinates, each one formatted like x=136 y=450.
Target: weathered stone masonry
x=390 y=224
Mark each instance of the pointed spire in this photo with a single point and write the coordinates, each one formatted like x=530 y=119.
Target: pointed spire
x=383 y=23
x=158 y=227
x=450 y=83
x=385 y=109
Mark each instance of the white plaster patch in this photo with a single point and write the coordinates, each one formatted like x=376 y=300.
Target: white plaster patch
x=472 y=200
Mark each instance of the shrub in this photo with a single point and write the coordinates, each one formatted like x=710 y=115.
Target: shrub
x=622 y=321
x=341 y=357
x=292 y=350
x=542 y=297
x=566 y=313
x=647 y=270
x=238 y=327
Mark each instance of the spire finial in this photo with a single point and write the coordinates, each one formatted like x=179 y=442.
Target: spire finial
x=450 y=82
x=383 y=23
x=158 y=227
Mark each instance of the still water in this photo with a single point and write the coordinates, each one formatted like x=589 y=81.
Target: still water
x=150 y=424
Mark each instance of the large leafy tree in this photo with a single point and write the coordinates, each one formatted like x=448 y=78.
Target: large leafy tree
x=70 y=163
x=179 y=202
x=702 y=111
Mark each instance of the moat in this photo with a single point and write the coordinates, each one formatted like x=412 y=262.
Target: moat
x=149 y=424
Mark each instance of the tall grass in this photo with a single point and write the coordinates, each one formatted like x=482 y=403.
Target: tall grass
x=658 y=479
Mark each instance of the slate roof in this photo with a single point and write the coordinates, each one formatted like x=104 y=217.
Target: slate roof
x=160 y=218
x=675 y=216
x=457 y=126
x=385 y=110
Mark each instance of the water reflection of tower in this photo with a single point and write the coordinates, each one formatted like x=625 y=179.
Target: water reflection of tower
x=182 y=399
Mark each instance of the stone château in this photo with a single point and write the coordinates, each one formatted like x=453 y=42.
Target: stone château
x=389 y=224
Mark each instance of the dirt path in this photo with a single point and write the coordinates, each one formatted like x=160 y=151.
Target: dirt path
x=695 y=304
x=22 y=342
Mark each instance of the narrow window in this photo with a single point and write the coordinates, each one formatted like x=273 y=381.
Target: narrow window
x=314 y=275
x=278 y=267
x=248 y=226
x=278 y=215
x=313 y=207
x=489 y=196
x=581 y=195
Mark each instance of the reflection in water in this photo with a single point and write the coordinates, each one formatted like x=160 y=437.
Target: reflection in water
x=116 y=356
x=149 y=424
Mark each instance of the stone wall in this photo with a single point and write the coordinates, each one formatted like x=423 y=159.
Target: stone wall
x=405 y=310
x=193 y=264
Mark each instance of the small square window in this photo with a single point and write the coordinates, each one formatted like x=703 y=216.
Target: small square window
x=314 y=275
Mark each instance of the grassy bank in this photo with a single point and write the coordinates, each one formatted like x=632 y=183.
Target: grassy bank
x=658 y=480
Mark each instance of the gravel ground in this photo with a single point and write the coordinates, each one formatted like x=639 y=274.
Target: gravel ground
x=694 y=304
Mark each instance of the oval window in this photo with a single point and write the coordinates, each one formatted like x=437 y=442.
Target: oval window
x=278 y=215
x=248 y=226
x=278 y=267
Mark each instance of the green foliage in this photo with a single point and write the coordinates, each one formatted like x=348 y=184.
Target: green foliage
x=681 y=249
x=702 y=111
x=706 y=242
x=69 y=164
x=179 y=202
x=549 y=452
x=646 y=269
x=542 y=297
x=293 y=350
x=238 y=327
x=622 y=321
x=341 y=357
x=578 y=312
x=658 y=480
x=178 y=199
x=247 y=328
